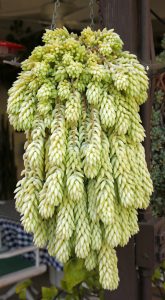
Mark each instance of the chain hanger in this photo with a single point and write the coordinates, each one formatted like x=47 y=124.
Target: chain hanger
x=55 y=14
x=91 y=13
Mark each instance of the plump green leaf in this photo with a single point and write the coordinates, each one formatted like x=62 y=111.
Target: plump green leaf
x=156 y=275
x=49 y=293
x=22 y=287
x=163 y=265
x=22 y=295
x=74 y=273
x=72 y=297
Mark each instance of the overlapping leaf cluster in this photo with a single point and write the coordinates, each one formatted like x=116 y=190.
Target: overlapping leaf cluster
x=77 y=98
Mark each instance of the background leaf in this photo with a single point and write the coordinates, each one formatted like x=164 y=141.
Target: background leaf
x=49 y=293
x=74 y=273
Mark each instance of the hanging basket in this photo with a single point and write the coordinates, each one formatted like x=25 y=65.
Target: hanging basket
x=8 y=49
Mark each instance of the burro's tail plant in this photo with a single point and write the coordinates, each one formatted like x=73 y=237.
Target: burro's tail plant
x=77 y=99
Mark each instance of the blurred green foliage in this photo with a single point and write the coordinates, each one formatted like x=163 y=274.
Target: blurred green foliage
x=22 y=287
x=158 y=279
x=158 y=143
x=49 y=293
x=161 y=57
x=158 y=163
x=158 y=153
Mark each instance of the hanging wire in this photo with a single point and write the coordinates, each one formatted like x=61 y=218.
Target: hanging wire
x=100 y=13
x=55 y=14
x=157 y=17
x=91 y=13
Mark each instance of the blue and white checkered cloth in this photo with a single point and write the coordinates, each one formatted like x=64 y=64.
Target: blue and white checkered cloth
x=14 y=236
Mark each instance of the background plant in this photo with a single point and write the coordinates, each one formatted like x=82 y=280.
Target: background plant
x=158 y=279
x=158 y=141
x=158 y=162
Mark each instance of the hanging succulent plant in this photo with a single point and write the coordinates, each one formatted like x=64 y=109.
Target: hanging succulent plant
x=77 y=98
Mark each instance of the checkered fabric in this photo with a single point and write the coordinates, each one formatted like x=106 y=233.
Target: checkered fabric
x=14 y=236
